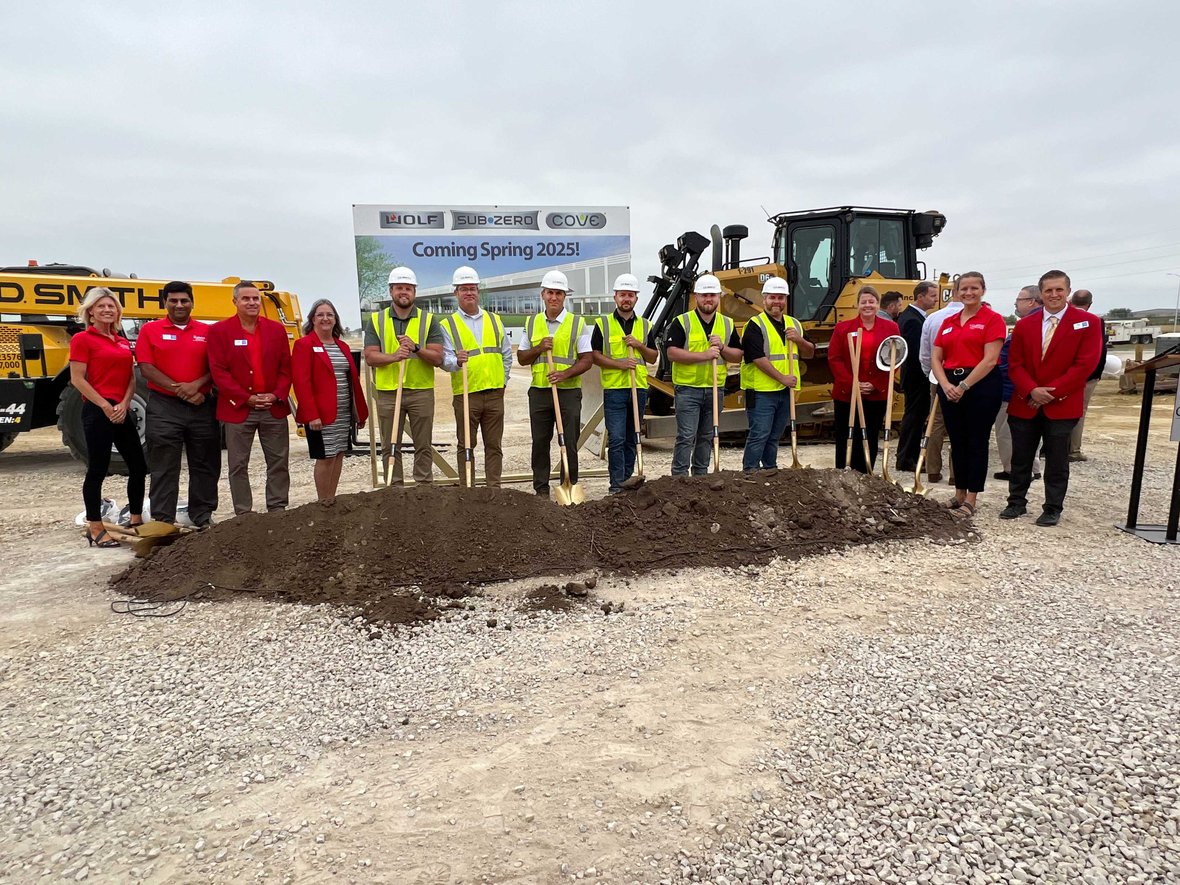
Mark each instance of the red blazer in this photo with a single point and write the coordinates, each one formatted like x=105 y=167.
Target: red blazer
x=315 y=382
x=840 y=359
x=229 y=363
x=1072 y=355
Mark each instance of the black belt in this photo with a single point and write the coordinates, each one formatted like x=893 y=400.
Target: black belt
x=960 y=373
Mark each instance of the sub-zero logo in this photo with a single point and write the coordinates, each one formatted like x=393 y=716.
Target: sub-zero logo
x=593 y=220
x=412 y=219
x=506 y=220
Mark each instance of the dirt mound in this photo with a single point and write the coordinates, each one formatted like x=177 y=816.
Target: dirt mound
x=400 y=554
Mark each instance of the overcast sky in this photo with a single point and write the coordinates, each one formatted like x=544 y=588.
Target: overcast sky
x=187 y=140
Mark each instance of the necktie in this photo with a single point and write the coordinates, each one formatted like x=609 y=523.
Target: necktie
x=1048 y=335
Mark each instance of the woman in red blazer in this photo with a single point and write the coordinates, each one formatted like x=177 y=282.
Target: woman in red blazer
x=871 y=330
x=328 y=389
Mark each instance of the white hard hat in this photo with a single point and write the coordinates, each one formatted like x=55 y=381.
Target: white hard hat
x=626 y=282
x=465 y=276
x=707 y=285
x=402 y=275
x=776 y=286
x=555 y=279
x=1113 y=367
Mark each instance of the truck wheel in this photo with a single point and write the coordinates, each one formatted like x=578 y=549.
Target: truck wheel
x=6 y=439
x=69 y=422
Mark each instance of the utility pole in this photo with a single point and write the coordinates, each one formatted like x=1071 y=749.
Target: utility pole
x=1176 y=312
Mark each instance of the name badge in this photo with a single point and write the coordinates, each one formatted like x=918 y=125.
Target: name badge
x=1084 y=324
x=169 y=337
x=317 y=350
x=948 y=330
x=241 y=342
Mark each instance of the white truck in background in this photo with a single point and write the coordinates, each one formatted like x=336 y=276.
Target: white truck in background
x=1130 y=332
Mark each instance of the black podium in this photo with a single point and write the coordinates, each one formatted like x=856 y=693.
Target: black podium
x=1156 y=534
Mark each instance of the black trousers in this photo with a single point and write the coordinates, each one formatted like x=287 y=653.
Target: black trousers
x=874 y=419
x=913 y=423
x=101 y=433
x=1027 y=435
x=543 y=422
x=969 y=428
x=174 y=426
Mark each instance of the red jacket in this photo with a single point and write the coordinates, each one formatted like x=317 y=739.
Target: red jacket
x=840 y=358
x=1071 y=357
x=233 y=374
x=315 y=382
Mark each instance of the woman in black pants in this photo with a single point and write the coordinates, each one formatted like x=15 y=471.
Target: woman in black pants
x=103 y=371
x=966 y=350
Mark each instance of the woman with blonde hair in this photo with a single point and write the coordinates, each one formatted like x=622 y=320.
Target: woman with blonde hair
x=102 y=370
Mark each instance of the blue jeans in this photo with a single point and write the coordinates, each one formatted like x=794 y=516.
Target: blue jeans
x=620 y=433
x=768 y=420
x=694 y=429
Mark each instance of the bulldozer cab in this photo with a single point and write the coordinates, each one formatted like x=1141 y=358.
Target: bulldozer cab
x=823 y=250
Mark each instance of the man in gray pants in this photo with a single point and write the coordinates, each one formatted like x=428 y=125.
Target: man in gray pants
x=181 y=415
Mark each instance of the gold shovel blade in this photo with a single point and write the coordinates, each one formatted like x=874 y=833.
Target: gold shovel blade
x=567 y=494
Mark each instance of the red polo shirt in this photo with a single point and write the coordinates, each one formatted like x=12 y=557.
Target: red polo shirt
x=962 y=343
x=109 y=364
x=180 y=354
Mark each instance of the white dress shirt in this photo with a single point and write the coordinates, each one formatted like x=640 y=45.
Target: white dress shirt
x=583 y=343
x=930 y=327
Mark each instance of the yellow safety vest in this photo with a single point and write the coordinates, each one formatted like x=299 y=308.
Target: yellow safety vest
x=783 y=354
x=565 y=348
x=697 y=374
x=419 y=374
x=485 y=359
x=613 y=348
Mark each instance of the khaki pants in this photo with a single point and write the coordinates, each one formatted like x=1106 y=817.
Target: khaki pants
x=937 y=437
x=487 y=416
x=1075 y=439
x=274 y=436
x=1004 y=442
x=418 y=410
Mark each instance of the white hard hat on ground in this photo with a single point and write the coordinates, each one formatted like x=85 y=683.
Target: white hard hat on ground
x=555 y=279
x=707 y=285
x=626 y=282
x=465 y=276
x=402 y=275
x=776 y=286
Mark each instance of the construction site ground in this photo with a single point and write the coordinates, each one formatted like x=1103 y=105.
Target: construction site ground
x=966 y=703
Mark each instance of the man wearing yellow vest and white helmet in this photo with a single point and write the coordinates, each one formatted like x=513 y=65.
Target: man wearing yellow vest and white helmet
x=555 y=330
x=695 y=339
x=622 y=344
x=475 y=337
x=403 y=333
x=771 y=346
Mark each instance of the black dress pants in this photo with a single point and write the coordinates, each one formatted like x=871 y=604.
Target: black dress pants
x=913 y=423
x=1027 y=435
x=874 y=419
x=969 y=428
x=543 y=421
x=174 y=426
x=100 y=434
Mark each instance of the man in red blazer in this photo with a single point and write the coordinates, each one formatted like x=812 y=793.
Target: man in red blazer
x=1052 y=354
x=250 y=361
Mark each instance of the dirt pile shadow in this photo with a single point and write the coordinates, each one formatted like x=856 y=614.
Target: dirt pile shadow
x=403 y=555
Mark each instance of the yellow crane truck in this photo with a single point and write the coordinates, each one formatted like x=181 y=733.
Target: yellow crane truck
x=37 y=308
x=825 y=255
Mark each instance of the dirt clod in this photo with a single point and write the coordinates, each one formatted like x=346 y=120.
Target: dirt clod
x=402 y=555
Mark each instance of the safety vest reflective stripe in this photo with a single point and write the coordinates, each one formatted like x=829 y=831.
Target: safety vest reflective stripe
x=565 y=348
x=419 y=373
x=613 y=348
x=776 y=350
x=695 y=340
x=485 y=360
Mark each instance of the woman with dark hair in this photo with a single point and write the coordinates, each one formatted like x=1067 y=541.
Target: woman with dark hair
x=970 y=389
x=102 y=369
x=328 y=389
x=869 y=330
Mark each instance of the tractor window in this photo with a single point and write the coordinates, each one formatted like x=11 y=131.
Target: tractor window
x=811 y=254
x=877 y=244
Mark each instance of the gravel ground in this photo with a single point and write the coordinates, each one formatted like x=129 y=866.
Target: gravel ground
x=999 y=711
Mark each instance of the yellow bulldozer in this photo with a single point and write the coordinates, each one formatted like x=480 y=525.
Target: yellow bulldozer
x=37 y=307
x=825 y=255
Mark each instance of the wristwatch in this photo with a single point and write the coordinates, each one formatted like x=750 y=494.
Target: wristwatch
x=416 y=348
x=964 y=386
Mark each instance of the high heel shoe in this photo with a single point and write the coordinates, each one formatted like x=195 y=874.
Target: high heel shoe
x=97 y=540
